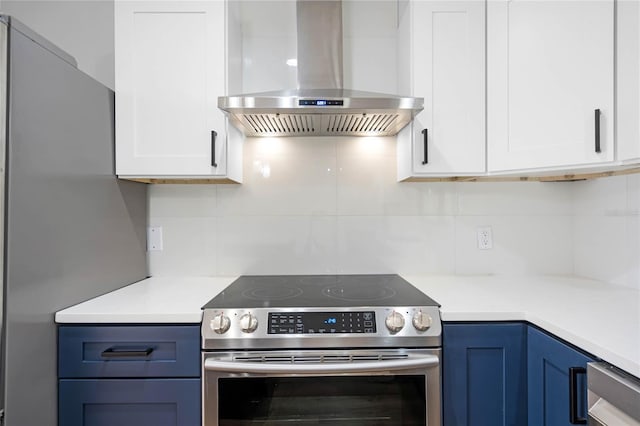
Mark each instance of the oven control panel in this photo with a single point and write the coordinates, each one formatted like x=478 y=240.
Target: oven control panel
x=296 y=322
x=268 y=327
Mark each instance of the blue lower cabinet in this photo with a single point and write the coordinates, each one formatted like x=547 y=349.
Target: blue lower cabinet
x=129 y=402
x=549 y=381
x=484 y=374
x=129 y=375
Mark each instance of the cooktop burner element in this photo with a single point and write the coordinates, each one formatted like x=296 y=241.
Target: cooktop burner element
x=267 y=293
x=361 y=294
x=320 y=311
x=303 y=291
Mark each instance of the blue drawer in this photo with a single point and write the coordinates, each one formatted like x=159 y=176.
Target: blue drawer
x=129 y=402
x=128 y=351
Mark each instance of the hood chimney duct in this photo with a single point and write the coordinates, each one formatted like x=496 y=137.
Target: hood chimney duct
x=319 y=37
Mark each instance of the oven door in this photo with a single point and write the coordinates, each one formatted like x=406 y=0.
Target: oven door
x=355 y=388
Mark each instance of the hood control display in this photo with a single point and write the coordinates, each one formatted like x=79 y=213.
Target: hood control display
x=320 y=102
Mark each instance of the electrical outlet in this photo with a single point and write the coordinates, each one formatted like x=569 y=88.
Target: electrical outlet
x=485 y=239
x=154 y=238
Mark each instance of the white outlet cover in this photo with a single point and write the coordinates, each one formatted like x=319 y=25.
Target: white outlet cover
x=154 y=238
x=485 y=238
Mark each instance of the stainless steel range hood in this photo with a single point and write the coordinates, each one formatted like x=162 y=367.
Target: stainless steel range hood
x=320 y=106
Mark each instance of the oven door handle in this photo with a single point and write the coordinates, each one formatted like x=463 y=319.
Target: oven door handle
x=321 y=368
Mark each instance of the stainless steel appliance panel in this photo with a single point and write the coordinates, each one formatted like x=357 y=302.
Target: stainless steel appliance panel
x=340 y=387
x=613 y=396
x=72 y=230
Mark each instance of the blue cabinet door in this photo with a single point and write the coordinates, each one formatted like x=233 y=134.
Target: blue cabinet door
x=484 y=374
x=548 y=364
x=129 y=402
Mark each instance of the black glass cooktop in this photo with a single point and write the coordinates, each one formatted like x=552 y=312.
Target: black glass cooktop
x=302 y=291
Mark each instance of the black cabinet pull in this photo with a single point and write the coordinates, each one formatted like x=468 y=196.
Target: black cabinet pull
x=597 y=121
x=425 y=134
x=213 y=148
x=121 y=352
x=574 y=418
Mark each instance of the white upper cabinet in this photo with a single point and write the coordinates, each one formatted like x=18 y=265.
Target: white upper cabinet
x=550 y=84
x=170 y=70
x=441 y=57
x=628 y=81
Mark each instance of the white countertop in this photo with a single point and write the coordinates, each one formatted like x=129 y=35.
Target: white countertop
x=154 y=300
x=600 y=318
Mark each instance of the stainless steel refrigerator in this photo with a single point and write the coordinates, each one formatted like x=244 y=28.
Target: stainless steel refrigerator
x=71 y=230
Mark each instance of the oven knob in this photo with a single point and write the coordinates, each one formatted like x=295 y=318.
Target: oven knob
x=422 y=321
x=248 y=323
x=394 y=322
x=220 y=324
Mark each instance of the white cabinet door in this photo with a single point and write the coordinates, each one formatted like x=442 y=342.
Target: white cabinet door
x=628 y=81
x=170 y=69
x=447 y=68
x=550 y=66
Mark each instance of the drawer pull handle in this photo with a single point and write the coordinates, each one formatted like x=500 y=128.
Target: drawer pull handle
x=121 y=352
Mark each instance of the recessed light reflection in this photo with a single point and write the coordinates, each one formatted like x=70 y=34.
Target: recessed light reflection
x=265 y=152
x=371 y=145
x=293 y=62
x=269 y=147
x=261 y=168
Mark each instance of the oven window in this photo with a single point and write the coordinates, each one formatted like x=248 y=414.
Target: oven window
x=353 y=400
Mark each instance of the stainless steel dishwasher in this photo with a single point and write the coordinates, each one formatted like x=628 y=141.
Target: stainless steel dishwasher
x=613 y=396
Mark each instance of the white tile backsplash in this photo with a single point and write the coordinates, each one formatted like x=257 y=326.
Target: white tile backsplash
x=633 y=252
x=633 y=194
x=272 y=51
x=276 y=245
x=283 y=177
x=188 y=247
x=607 y=231
x=514 y=199
x=601 y=197
x=372 y=18
x=363 y=54
x=186 y=201
x=521 y=245
x=367 y=184
x=332 y=205
x=395 y=244
x=598 y=252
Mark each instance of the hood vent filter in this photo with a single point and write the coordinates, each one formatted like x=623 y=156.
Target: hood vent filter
x=319 y=125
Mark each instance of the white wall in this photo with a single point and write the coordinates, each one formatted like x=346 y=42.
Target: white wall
x=331 y=205
x=82 y=28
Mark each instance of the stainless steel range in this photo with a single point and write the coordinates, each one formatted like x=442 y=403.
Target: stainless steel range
x=334 y=349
